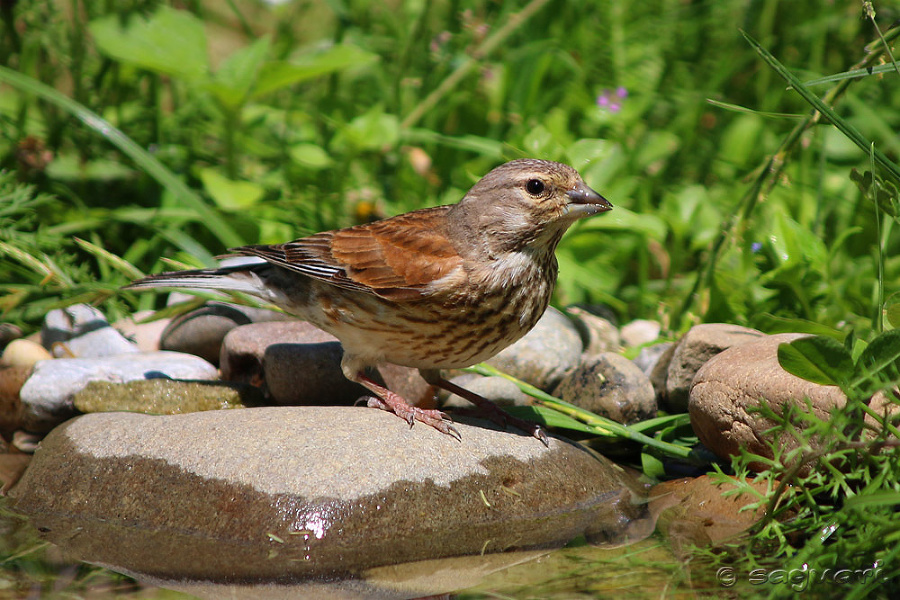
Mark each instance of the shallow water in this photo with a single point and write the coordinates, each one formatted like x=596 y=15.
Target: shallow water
x=32 y=568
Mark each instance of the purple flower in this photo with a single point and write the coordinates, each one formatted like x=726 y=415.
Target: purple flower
x=612 y=100
x=755 y=247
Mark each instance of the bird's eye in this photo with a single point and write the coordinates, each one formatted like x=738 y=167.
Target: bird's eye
x=535 y=187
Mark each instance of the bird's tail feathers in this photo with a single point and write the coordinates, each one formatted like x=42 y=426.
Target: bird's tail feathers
x=235 y=279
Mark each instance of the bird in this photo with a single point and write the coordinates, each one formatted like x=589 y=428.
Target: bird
x=437 y=288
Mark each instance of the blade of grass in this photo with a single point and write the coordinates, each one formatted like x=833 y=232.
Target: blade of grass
x=852 y=74
x=750 y=111
x=599 y=425
x=111 y=259
x=767 y=175
x=146 y=161
x=832 y=117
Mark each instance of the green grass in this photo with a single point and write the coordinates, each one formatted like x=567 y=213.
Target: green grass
x=752 y=155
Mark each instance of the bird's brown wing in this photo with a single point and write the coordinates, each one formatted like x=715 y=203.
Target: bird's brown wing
x=395 y=258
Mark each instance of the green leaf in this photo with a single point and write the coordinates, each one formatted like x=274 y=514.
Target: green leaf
x=277 y=75
x=882 y=354
x=235 y=79
x=892 y=310
x=821 y=360
x=652 y=466
x=170 y=41
x=373 y=130
x=549 y=417
x=229 y=194
x=310 y=156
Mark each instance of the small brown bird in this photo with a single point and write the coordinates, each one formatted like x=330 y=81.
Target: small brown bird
x=436 y=288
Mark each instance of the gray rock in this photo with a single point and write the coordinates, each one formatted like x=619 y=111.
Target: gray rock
x=201 y=331
x=640 y=332
x=244 y=347
x=598 y=335
x=308 y=374
x=499 y=390
x=47 y=395
x=63 y=324
x=611 y=386
x=81 y=331
x=697 y=346
x=650 y=356
x=165 y=396
x=299 y=363
x=308 y=492
x=730 y=385
x=545 y=354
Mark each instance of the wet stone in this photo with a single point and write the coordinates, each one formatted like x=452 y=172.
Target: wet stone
x=308 y=492
x=693 y=512
x=545 y=354
x=611 y=386
x=165 y=396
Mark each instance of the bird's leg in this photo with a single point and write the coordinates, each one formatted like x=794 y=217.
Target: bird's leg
x=390 y=401
x=488 y=408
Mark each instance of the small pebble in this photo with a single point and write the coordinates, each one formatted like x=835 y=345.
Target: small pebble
x=23 y=353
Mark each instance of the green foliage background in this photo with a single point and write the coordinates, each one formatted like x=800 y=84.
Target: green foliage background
x=291 y=119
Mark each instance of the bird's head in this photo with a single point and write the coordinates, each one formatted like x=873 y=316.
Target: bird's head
x=526 y=202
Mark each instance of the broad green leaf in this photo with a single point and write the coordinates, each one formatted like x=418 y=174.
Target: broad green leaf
x=234 y=81
x=821 y=360
x=655 y=149
x=882 y=355
x=229 y=194
x=586 y=151
x=892 y=310
x=170 y=41
x=277 y=75
x=652 y=466
x=310 y=156
x=373 y=130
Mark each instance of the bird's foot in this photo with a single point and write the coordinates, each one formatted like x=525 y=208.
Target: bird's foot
x=492 y=411
x=395 y=403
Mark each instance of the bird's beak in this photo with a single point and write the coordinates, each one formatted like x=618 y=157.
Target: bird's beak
x=584 y=202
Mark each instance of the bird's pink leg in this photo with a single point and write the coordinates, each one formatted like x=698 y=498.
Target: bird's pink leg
x=390 y=401
x=490 y=410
